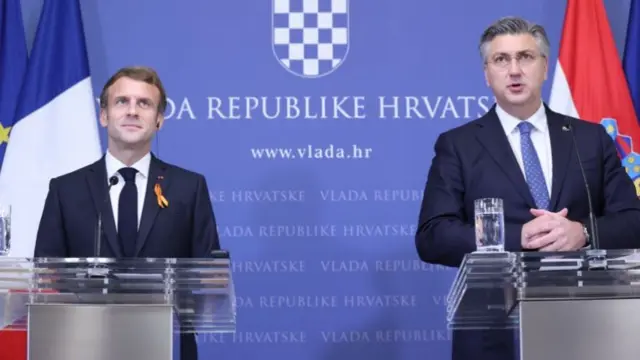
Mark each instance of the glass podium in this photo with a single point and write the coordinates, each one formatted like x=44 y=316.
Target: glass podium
x=577 y=305
x=101 y=308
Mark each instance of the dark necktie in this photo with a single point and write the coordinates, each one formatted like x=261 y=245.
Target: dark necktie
x=128 y=212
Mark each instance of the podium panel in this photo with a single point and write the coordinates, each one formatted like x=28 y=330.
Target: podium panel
x=578 y=305
x=100 y=308
x=100 y=332
x=577 y=329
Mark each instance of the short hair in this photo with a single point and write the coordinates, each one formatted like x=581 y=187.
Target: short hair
x=140 y=73
x=514 y=26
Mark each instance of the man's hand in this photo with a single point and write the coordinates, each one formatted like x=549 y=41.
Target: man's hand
x=552 y=232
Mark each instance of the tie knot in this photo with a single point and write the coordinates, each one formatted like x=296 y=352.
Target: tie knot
x=128 y=173
x=525 y=127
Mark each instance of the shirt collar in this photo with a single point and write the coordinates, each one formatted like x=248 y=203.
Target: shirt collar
x=114 y=165
x=510 y=123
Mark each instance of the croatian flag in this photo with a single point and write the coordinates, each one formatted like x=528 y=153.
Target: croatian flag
x=56 y=128
x=631 y=58
x=589 y=82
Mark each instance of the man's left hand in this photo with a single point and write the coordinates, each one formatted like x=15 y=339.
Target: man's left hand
x=566 y=235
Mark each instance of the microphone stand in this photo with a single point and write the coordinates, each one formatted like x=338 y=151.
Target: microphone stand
x=596 y=257
x=99 y=270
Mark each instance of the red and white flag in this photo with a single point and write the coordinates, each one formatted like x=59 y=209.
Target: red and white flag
x=589 y=82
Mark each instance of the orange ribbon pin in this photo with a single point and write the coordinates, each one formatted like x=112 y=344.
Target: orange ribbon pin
x=162 y=201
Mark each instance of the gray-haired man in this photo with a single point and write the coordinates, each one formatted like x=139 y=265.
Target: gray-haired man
x=523 y=153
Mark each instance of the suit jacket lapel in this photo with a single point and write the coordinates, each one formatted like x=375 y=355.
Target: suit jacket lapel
x=561 y=151
x=157 y=174
x=494 y=140
x=97 y=179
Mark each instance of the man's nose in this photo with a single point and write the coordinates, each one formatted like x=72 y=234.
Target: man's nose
x=514 y=67
x=132 y=109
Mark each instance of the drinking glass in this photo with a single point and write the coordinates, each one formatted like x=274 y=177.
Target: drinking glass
x=5 y=229
x=489 y=223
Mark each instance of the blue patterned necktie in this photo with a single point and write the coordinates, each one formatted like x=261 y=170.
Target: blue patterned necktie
x=532 y=168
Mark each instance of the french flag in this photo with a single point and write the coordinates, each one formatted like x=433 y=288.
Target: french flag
x=55 y=131
x=589 y=81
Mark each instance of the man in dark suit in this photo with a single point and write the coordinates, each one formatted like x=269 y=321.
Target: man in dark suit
x=137 y=222
x=522 y=152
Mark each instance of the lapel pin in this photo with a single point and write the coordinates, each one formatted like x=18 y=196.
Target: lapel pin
x=162 y=201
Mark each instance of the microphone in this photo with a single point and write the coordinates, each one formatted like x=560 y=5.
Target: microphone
x=98 y=240
x=595 y=240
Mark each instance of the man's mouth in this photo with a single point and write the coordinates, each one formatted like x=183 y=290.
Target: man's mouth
x=516 y=86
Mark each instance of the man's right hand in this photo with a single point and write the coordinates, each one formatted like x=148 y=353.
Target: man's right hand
x=542 y=224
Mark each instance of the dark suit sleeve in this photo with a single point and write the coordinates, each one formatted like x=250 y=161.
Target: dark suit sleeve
x=619 y=223
x=205 y=233
x=444 y=235
x=50 y=239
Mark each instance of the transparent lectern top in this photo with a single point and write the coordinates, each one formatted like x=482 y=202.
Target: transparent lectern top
x=489 y=286
x=200 y=290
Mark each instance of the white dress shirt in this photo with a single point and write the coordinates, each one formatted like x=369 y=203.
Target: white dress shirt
x=142 y=176
x=539 y=137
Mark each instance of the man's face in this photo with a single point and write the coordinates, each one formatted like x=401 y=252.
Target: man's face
x=515 y=69
x=131 y=115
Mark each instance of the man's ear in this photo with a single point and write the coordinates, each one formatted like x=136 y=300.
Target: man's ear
x=103 y=118
x=159 y=121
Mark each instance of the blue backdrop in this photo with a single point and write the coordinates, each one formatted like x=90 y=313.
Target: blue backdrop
x=316 y=181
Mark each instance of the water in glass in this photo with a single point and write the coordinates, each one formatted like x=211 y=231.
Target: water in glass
x=489 y=224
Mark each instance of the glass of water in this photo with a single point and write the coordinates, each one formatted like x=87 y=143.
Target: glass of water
x=489 y=223
x=5 y=229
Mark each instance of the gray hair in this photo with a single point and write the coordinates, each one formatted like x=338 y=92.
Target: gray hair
x=514 y=26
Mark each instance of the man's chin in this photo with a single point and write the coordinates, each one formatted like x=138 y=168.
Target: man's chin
x=522 y=98
x=132 y=142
